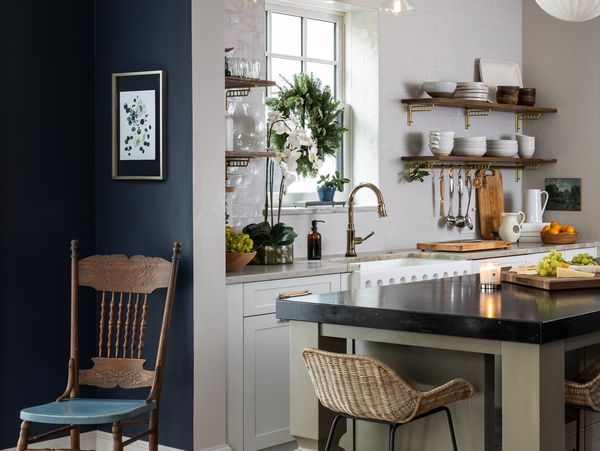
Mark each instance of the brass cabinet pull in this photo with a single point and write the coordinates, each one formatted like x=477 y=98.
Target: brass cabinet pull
x=293 y=294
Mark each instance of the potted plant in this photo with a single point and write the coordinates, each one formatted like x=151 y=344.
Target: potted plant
x=273 y=240
x=329 y=184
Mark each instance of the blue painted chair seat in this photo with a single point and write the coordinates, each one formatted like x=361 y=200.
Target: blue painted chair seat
x=87 y=411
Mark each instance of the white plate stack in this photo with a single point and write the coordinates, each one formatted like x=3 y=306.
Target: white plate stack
x=470 y=147
x=502 y=148
x=530 y=232
x=471 y=90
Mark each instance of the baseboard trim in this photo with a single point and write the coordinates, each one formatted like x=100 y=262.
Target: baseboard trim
x=102 y=441
x=218 y=448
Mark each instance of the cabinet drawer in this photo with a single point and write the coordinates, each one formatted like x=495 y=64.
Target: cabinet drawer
x=260 y=297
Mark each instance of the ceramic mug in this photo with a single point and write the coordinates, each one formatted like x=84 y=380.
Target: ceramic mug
x=534 y=206
x=510 y=229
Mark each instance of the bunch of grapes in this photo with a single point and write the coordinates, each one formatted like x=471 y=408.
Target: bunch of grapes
x=583 y=260
x=547 y=266
x=237 y=242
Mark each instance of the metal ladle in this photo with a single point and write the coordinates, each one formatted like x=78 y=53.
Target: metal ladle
x=459 y=221
x=450 y=219
x=468 y=220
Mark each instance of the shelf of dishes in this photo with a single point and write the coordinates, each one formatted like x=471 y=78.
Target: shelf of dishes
x=475 y=108
x=479 y=161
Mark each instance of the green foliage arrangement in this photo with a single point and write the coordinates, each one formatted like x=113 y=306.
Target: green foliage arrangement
x=316 y=110
x=337 y=181
x=262 y=234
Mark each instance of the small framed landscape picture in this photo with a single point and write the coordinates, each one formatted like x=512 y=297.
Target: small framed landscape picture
x=564 y=194
x=138 y=125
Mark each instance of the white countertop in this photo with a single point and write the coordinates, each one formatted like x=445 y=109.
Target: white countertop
x=339 y=264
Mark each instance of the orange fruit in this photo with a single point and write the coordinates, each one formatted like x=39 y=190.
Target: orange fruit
x=554 y=223
x=554 y=231
x=570 y=230
x=564 y=227
x=546 y=229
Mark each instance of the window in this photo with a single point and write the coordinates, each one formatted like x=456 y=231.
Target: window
x=302 y=40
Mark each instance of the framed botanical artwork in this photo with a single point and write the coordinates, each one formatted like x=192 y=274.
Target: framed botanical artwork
x=138 y=125
x=564 y=194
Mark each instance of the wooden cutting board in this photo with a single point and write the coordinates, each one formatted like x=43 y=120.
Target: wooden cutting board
x=463 y=245
x=551 y=283
x=490 y=202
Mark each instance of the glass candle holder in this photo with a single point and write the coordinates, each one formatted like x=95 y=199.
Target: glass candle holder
x=490 y=276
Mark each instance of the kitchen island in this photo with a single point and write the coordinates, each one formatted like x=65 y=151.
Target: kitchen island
x=529 y=329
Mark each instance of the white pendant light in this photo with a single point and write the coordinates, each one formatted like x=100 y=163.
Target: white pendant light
x=571 y=10
x=396 y=7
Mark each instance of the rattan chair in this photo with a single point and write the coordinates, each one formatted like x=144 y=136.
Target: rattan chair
x=363 y=388
x=583 y=393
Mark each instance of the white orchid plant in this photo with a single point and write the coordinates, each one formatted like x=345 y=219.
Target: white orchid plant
x=297 y=144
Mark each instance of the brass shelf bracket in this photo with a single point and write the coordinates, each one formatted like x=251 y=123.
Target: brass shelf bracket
x=237 y=162
x=474 y=112
x=242 y=92
x=520 y=117
x=410 y=109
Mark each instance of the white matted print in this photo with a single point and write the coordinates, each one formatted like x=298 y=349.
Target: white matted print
x=137 y=128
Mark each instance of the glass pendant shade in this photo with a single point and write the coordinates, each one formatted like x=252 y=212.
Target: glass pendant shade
x=571 y=10
x=396 y=7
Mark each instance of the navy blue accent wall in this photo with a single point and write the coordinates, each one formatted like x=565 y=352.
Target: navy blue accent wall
x=145 y=217
x=46 y=194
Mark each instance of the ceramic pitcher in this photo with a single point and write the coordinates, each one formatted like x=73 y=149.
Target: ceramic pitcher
x=510 y=229
x=535 y=205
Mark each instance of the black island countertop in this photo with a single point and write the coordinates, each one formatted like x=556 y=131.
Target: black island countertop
x=456 y=307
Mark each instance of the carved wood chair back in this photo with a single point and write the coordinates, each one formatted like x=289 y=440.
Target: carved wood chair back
x=124 y=286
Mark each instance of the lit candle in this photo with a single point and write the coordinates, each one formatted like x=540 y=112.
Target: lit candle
x=489 y=276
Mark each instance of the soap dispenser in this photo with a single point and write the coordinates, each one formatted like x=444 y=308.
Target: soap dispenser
x=314 y=242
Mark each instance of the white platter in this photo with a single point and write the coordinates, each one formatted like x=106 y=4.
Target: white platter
x=499 y=73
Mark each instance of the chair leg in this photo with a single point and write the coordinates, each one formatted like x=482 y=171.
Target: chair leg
x=153 y=425
x=577 y=428
x=392 y=440
x=117 y=436
x=332 y=432
x=23 y=436
x=75 y=442
x=451 y=427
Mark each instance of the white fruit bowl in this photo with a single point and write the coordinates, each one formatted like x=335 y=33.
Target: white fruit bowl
x=440 y=89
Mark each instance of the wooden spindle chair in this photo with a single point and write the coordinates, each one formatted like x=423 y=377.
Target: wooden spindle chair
x=124 y=285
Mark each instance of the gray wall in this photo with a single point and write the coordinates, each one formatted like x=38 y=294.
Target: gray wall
x=562 y=61
x=136 y=217
x=47 y=189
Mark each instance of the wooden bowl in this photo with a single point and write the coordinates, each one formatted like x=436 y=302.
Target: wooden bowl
x=235 y=261
x=509 y=100
x=561 y=238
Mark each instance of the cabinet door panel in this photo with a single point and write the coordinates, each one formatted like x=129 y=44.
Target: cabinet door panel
x=266 y=382
x=260 y=297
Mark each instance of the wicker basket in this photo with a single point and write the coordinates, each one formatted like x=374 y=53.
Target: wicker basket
x=235 y=261
x=561 y=238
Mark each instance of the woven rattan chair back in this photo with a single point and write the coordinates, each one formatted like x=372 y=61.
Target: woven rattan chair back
x=360 y=386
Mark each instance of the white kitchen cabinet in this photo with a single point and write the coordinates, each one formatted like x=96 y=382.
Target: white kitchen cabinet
x=258 y=362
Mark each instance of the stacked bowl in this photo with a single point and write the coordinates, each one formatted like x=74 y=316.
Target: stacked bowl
x=507 y=148
x=526 y=146
x=508 y=95
x=440 y=89
x=527 y=96
x=441 y=142
x=470 y=147
x=530 y=232
x=471 y=90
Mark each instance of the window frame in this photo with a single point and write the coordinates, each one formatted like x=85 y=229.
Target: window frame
x=339 y=18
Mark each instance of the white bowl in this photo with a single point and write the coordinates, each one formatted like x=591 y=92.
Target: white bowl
x=441 y=151
x=506 y=153
x=443 y=89
x=466 y=152
x=526 y=153
x=443 y=133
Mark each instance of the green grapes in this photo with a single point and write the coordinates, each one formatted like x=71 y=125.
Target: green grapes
x=237 y=242
x=547 y=266
x=583 y=260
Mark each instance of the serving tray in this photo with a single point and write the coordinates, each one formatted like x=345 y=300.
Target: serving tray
x=464 y=245
x=551 y=283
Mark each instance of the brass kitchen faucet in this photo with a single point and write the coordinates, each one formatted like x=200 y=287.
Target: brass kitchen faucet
x=351 y=239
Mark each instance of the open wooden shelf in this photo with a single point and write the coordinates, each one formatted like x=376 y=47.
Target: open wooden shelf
x=481 y=160
x=474 y=108
x=240 y=87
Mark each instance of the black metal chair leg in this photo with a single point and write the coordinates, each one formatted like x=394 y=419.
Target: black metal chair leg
x=332 y=432
x=393 y=428
x=451 y=427
x=577 y=427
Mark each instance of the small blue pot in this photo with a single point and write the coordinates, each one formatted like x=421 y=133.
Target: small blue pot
x=326 y=194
